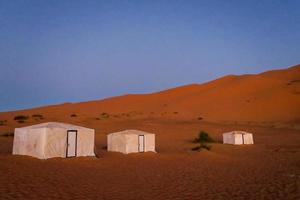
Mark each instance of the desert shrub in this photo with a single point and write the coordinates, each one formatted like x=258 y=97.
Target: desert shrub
x=203 y=137
x=293 y=81
x=205 y=146
x=200 y=118
x=197 y=148
x=126 y=114
x=73 y=115
x=38 y=116
x=21 y=117
x=202 y=146
x=175 y=113
x=104 y=115
x=8 y=134
x=3 y=122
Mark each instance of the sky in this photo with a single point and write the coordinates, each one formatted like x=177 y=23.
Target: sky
x=60 y=51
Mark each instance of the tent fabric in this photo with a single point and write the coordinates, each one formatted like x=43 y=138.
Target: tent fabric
x=128 y=141
x=48 y=140
x=238 y=138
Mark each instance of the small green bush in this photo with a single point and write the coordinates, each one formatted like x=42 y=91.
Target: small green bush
x=37 y=116
x=3 y=122
x=202 y=146
x=104 y=115
x=21 y=117
x=203 y=137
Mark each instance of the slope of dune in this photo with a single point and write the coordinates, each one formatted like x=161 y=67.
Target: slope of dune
x=272 y=96
x=269 y=169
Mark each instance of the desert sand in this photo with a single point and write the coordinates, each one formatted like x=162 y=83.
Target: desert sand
x=267 y=105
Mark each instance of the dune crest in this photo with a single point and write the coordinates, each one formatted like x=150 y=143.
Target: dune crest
x=272 y=96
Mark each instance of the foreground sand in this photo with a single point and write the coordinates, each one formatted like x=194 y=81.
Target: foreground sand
x=267 y=104
x=270 y=169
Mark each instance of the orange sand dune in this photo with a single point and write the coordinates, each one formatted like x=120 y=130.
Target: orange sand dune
x=272 y=96
x=269 y=169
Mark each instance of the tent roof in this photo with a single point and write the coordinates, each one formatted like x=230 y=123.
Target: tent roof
x=55 y=125
x=131 y=132
x=237 y=132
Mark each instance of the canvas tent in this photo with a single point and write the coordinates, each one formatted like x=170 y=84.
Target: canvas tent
x=131 y=141
x=53 y=139
x=238 y=138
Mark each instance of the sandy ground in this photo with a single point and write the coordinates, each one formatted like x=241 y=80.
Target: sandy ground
x=266 y=104
x=270 y=169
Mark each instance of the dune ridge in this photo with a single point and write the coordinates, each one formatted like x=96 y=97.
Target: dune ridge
x=272 y=96
x=269 y=169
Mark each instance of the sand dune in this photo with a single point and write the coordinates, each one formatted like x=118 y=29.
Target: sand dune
x=266 y=104
x=269 y=97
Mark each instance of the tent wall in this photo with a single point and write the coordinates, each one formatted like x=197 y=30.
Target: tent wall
x=129 y=143
x=56 y=143
x=19 y=141
x=29 y=142
x=85 y=142
x=116 y=142
x=237 y=138
x=228 y=138
x=132 y=143
x=248 y=139
x=47 y=142
x=150 y=142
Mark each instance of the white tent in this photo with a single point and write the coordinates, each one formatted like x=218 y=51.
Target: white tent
x=131 y=141
x=52 y=139
x=238 y=138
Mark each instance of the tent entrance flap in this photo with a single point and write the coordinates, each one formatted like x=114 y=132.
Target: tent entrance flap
x=243 y=139
x=141 y=143
x=71 y=143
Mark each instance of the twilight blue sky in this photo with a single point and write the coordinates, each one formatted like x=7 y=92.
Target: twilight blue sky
x=59 y=51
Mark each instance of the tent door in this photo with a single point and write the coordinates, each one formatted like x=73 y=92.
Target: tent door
x=71 y=143
x=243 y=138
x=141 y=143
